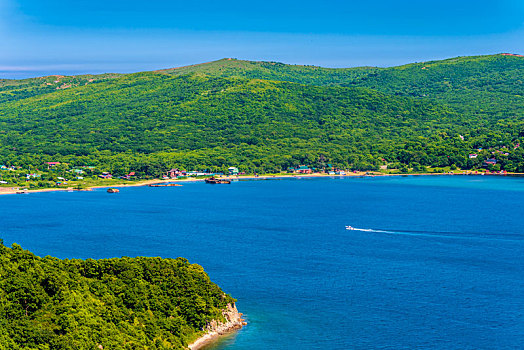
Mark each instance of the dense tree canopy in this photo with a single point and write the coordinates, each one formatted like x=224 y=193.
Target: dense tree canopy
x=125 y=303
x=266 y=116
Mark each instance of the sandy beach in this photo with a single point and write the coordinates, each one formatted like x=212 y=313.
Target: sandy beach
x=14 y=190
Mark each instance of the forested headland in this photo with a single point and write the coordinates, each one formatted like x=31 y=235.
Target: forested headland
x=119 y=303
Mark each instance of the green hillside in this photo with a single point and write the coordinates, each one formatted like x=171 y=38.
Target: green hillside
x=126 y=303
x=490 y=86
x=201 y=121
x=12 y=90
x=250 y=114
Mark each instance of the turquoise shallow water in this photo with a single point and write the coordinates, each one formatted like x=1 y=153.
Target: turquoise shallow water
x=447 y=273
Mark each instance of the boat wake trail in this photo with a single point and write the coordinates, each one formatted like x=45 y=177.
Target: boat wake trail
x=371 y=230
x=441 y=234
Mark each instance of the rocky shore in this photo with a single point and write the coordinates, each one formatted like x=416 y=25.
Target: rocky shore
x=215 y=329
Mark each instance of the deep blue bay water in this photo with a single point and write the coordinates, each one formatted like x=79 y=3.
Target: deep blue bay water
x=447 y=273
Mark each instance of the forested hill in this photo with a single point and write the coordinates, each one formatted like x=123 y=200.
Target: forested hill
x=491 y=86
x=251 y=115
x=125 y=303
x=204 y=121
x=310 y=75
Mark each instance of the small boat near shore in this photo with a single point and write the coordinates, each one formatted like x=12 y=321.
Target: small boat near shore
x=217 y=180
x=113 y=190
x=349 y=227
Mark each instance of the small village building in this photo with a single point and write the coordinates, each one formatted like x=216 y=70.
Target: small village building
x=473 y=155
x=198 y=173
x=52 y=164
x=304 y=170
x=488 y=162
x=174 y=173
x=105 y=175
x=232 y=170
x=128 y=176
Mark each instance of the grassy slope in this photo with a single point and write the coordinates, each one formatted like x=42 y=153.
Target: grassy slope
x=13 y=90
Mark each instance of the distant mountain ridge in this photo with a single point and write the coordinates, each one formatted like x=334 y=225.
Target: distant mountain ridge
x=456 y=81
x=459 y=81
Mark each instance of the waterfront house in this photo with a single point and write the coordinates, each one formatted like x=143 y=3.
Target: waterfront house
x=128 y=176
x=174 y=173
x=198 y=173
x=105 y=175
x=232 y=170
x=304 y=170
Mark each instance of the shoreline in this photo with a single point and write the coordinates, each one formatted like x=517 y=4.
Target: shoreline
x=15 y=190
x=215 y=330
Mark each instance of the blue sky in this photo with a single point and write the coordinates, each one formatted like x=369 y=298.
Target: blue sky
x=39 y=37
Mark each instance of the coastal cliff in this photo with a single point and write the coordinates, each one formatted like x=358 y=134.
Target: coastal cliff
x=215 y=328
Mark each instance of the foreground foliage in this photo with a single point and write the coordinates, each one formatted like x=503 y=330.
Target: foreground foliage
x=126 y=303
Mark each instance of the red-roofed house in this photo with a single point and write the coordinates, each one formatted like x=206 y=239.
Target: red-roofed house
x=173 y=173
x=52 y=164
